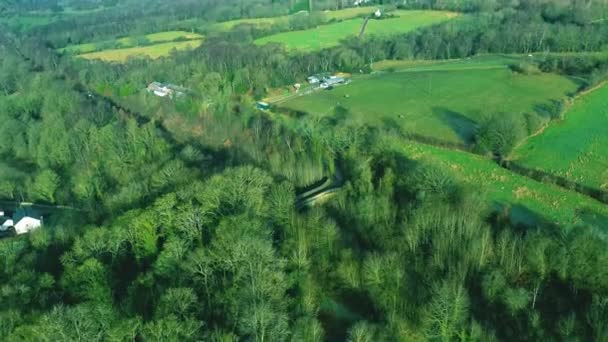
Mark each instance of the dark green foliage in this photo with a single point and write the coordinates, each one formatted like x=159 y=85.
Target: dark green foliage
x=525 y=68
x=179 y=221
x=428 y=182
x=533 y=123
x=499 y=134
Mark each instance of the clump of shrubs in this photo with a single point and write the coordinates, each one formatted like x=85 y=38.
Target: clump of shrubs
x=429 y=182
x=525 y=68
x=533 y=122
x=497 y=135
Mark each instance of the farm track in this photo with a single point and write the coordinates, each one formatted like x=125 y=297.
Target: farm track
x=328 y=188
x=363 y=27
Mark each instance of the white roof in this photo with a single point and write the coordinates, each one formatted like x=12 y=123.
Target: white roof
x=7 y=223
x=27 y=224
x=162 y=92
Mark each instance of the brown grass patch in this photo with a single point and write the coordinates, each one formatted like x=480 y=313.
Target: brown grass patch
x=522 y=192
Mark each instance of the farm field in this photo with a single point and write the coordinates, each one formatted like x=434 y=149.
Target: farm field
x=326 y=36
x=127 y=42
x=527 y=198
x=575 y=147
x=329 y=15
x=152 y=51
x=441 y=101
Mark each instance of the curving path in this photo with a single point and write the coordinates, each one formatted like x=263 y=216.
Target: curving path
x=317 y=195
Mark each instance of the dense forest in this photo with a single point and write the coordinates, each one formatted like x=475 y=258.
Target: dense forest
x=180 y=220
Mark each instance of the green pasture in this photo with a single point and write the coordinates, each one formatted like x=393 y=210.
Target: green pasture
x=576 y=147
x=152 y=51
x=128 y=42
x=528 y=199
x=443 y=101
x=326 y=36
x=343 y=14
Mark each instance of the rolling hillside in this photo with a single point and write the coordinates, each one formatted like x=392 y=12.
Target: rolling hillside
x=443 y=101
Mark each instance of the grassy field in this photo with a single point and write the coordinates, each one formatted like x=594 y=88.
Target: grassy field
x=152 y=51
x=443 y=100
x=330 y=35
x=127 y=42
x=527 y=198
x=575 y=148
x=329 y=15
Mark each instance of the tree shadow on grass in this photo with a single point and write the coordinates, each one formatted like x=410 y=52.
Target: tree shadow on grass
x=463 y=126
x=392 y=125
x=549 y=110
x=523 y=218
x=594 y=219
x=338 y=117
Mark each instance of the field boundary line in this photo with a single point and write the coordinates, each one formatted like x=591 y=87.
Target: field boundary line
x=489 y=67
x=540 y=176
x=442 y=63
x=571 y=101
